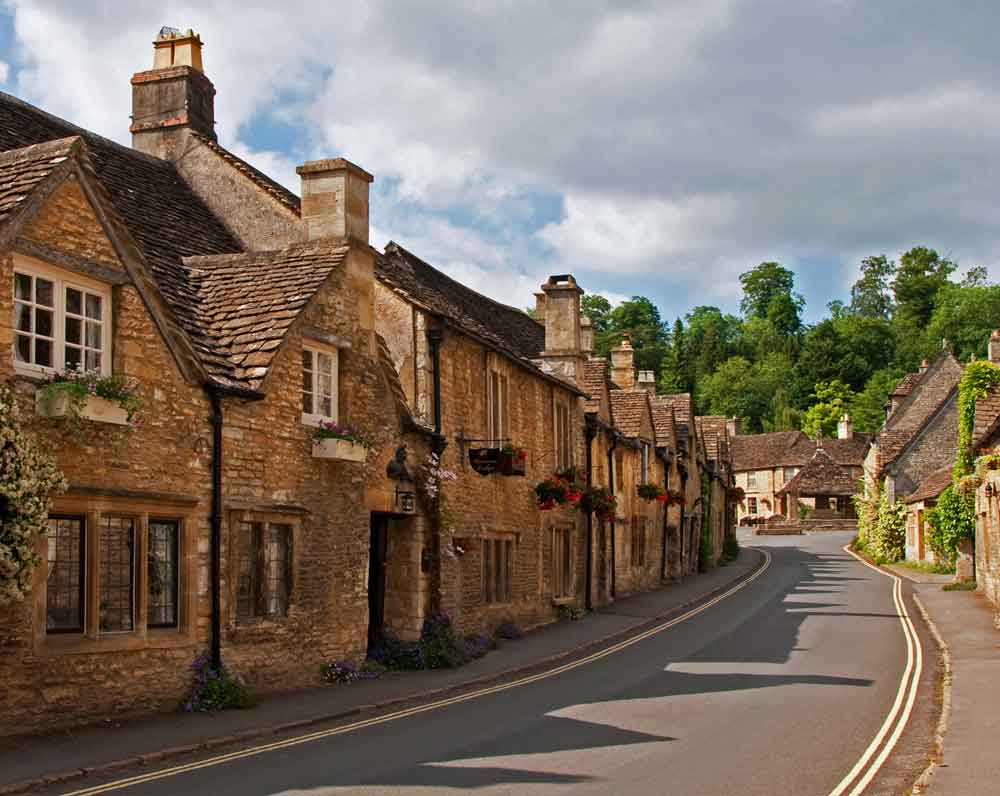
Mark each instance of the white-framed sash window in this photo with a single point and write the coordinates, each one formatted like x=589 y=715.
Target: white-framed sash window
x=320 y=380
x=61 y=321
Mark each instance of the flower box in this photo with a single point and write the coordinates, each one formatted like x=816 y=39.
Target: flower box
x=95 y=408
x=342 y=449
x=512 y=463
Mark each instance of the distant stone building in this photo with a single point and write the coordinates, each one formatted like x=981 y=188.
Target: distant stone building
x=924 y=497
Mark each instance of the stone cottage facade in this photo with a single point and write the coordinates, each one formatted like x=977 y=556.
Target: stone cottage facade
x=986 y=545
x=924 y=497
x=717 y=484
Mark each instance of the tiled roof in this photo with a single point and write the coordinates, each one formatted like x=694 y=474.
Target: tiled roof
x=712 y=429
x=932 y=486
x=627 y=410
x=792 y=449
x=22 y=169
x=905 y=385
x=987 y=417
x=507 y=329
x=663 y=424
x=929 y=394
x=166 y=219
x=265 y=183
x=681 y=404
x=595 y=379
x=248 y=302
x=821 y=475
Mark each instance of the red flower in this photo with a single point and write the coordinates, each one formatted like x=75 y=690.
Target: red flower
x=547 y=505
x=661 y=498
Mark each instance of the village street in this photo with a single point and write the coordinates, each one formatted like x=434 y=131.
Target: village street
x=778 y=688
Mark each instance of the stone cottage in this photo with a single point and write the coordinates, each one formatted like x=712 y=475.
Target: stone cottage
x=986 y=440
x=924 y=497
x=718 y=483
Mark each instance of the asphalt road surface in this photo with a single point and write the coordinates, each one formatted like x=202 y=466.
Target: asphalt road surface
x=777 y=689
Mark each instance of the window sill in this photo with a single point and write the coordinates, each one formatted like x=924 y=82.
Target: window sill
x=76 y=644
x=94 y=408
x=558 y=601
x=340 y=449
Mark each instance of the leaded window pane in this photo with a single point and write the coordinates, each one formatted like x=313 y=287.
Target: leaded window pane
x=162 y=573
x=117 y=606
x=64 y=579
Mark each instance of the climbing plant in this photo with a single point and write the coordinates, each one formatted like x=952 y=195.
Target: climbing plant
x=887 y=539
x=950 y=521
x=977 y=380
x=28 y=479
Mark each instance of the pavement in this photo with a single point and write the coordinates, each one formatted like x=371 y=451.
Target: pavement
x=98 y=750
x=779 y=687
x=969 y=764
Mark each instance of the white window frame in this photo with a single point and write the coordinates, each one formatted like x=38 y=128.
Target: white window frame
x=752 y=479
x=61 y=280
x=313 y=418
x=752 y=506
x=562 y=421
x=645 y=463
x=497 y=407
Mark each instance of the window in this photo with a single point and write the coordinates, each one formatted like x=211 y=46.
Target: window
x=752 y=505
x=564 y=437
x=162 y=572
x=60 y=321
x=498 y=570
x=264 y=581
x=752 y=479
x=64 y=595
x=562 y=562
x=789 y=473
x=638 y=541
x=319 y=384
x=644 y=475
x=497 y=407
x=117 y=606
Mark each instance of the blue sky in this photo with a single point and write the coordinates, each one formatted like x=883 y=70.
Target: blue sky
x=650 y=148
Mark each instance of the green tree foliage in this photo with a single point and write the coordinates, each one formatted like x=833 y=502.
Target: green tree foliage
x=922 y=272
x=640 y=320
x=739 y=388
x=676 y=374
x=870 y=296
x=964 y=316
x=867 y=408
x=887 y=538
x=952 y=519
x=597 y=308
x=831 y=401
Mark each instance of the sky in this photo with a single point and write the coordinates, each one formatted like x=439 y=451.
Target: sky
x=649 y=148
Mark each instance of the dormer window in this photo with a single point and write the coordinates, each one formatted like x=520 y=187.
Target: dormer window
x=319 y=384
x=61 y=321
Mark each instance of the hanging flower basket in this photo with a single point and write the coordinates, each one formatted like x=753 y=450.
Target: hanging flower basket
x=332 y=440
x=563 y=487
x=651 y=492
x=512 y=460
x=675 y=498
x=599 y=500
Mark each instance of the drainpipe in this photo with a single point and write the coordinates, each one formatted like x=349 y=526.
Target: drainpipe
x=614 y=522
x=216 y=522
x=591 y=435
x=665 y=458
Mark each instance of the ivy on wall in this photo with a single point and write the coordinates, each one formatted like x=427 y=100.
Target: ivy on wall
x=977 y=380
x=950 y=521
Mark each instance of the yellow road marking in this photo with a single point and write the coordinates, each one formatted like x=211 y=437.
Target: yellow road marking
x=905 y=697
x=401 y=714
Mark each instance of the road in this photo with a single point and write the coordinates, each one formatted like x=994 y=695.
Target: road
x=777 y=689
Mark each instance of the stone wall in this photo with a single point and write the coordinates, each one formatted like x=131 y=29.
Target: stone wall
x=933 y=449
x=987 y=550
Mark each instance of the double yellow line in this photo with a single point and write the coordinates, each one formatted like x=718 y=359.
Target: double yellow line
x=885 y=739
x=129 y=782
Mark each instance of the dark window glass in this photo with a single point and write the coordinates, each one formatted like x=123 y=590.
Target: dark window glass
x=498 y=569
x=117 y=574
x=64 y=583
x=162 y=573
x=264 y=579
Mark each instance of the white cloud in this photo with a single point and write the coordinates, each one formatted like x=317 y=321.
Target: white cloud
x=4 y=71
x=688 y=141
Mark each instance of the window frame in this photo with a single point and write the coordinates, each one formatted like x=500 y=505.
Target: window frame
x=498 y=575
x=644 y=464
x=563 y=569
x=62 y=279
x=314 y=418
x=497 y=406
x=265 y=519
x=752 y=505
x=82 y=585
x=563 y=434
x=752 y=479
x=638 y=542
x=176 y=590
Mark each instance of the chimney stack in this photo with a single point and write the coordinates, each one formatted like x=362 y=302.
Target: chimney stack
x=334 y=199
x=733 y=427
x=623 y=364
x=845 y=428
x=172 y=97
x=540 y=307
x=993 y=348
x=563 y=353
x=647 y=381
x=586 y=335
x=924 y=365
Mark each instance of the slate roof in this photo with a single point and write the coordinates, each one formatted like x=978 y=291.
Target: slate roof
x=712 y=429
x=248 y=301
x=595 y=377
x=792 y=449
x=681 y=404
x=905 y=385
x=506 y=329
x=821 y=475
x=627 y=410
x=275 y=189
x=987 y=417
x=24 y=168
x=932 y=486
x=663 y=424
x=928 y=395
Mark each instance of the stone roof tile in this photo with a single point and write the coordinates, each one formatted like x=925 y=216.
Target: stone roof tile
x=21 y=170
x=821 y=475
x=627 y=410
x=932 y=486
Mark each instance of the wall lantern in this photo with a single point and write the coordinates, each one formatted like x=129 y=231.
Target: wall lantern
x=406 y=501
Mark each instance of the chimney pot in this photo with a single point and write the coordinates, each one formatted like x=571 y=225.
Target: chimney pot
x=733 y=427
x=647 y=381
x=845 y=428
x=334 y=199
x=623 y=364
x=993 y=348
x=586 y=335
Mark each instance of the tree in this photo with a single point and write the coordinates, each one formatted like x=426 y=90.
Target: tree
x=831 y=400
x=640 y=320
x=597 y=308
x=921 y=274
x=739 y=388
x=868 y=406
x=964 y=316
x=977 y=276
x=675 y=375
x=763 y=284
x=870 y=296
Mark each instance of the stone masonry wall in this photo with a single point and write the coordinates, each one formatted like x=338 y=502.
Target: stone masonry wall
x=933 y=449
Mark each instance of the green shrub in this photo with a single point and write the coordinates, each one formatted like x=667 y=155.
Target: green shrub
x=887 y=540
x=950 y=521
x=217 y=689
x=440 y=646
